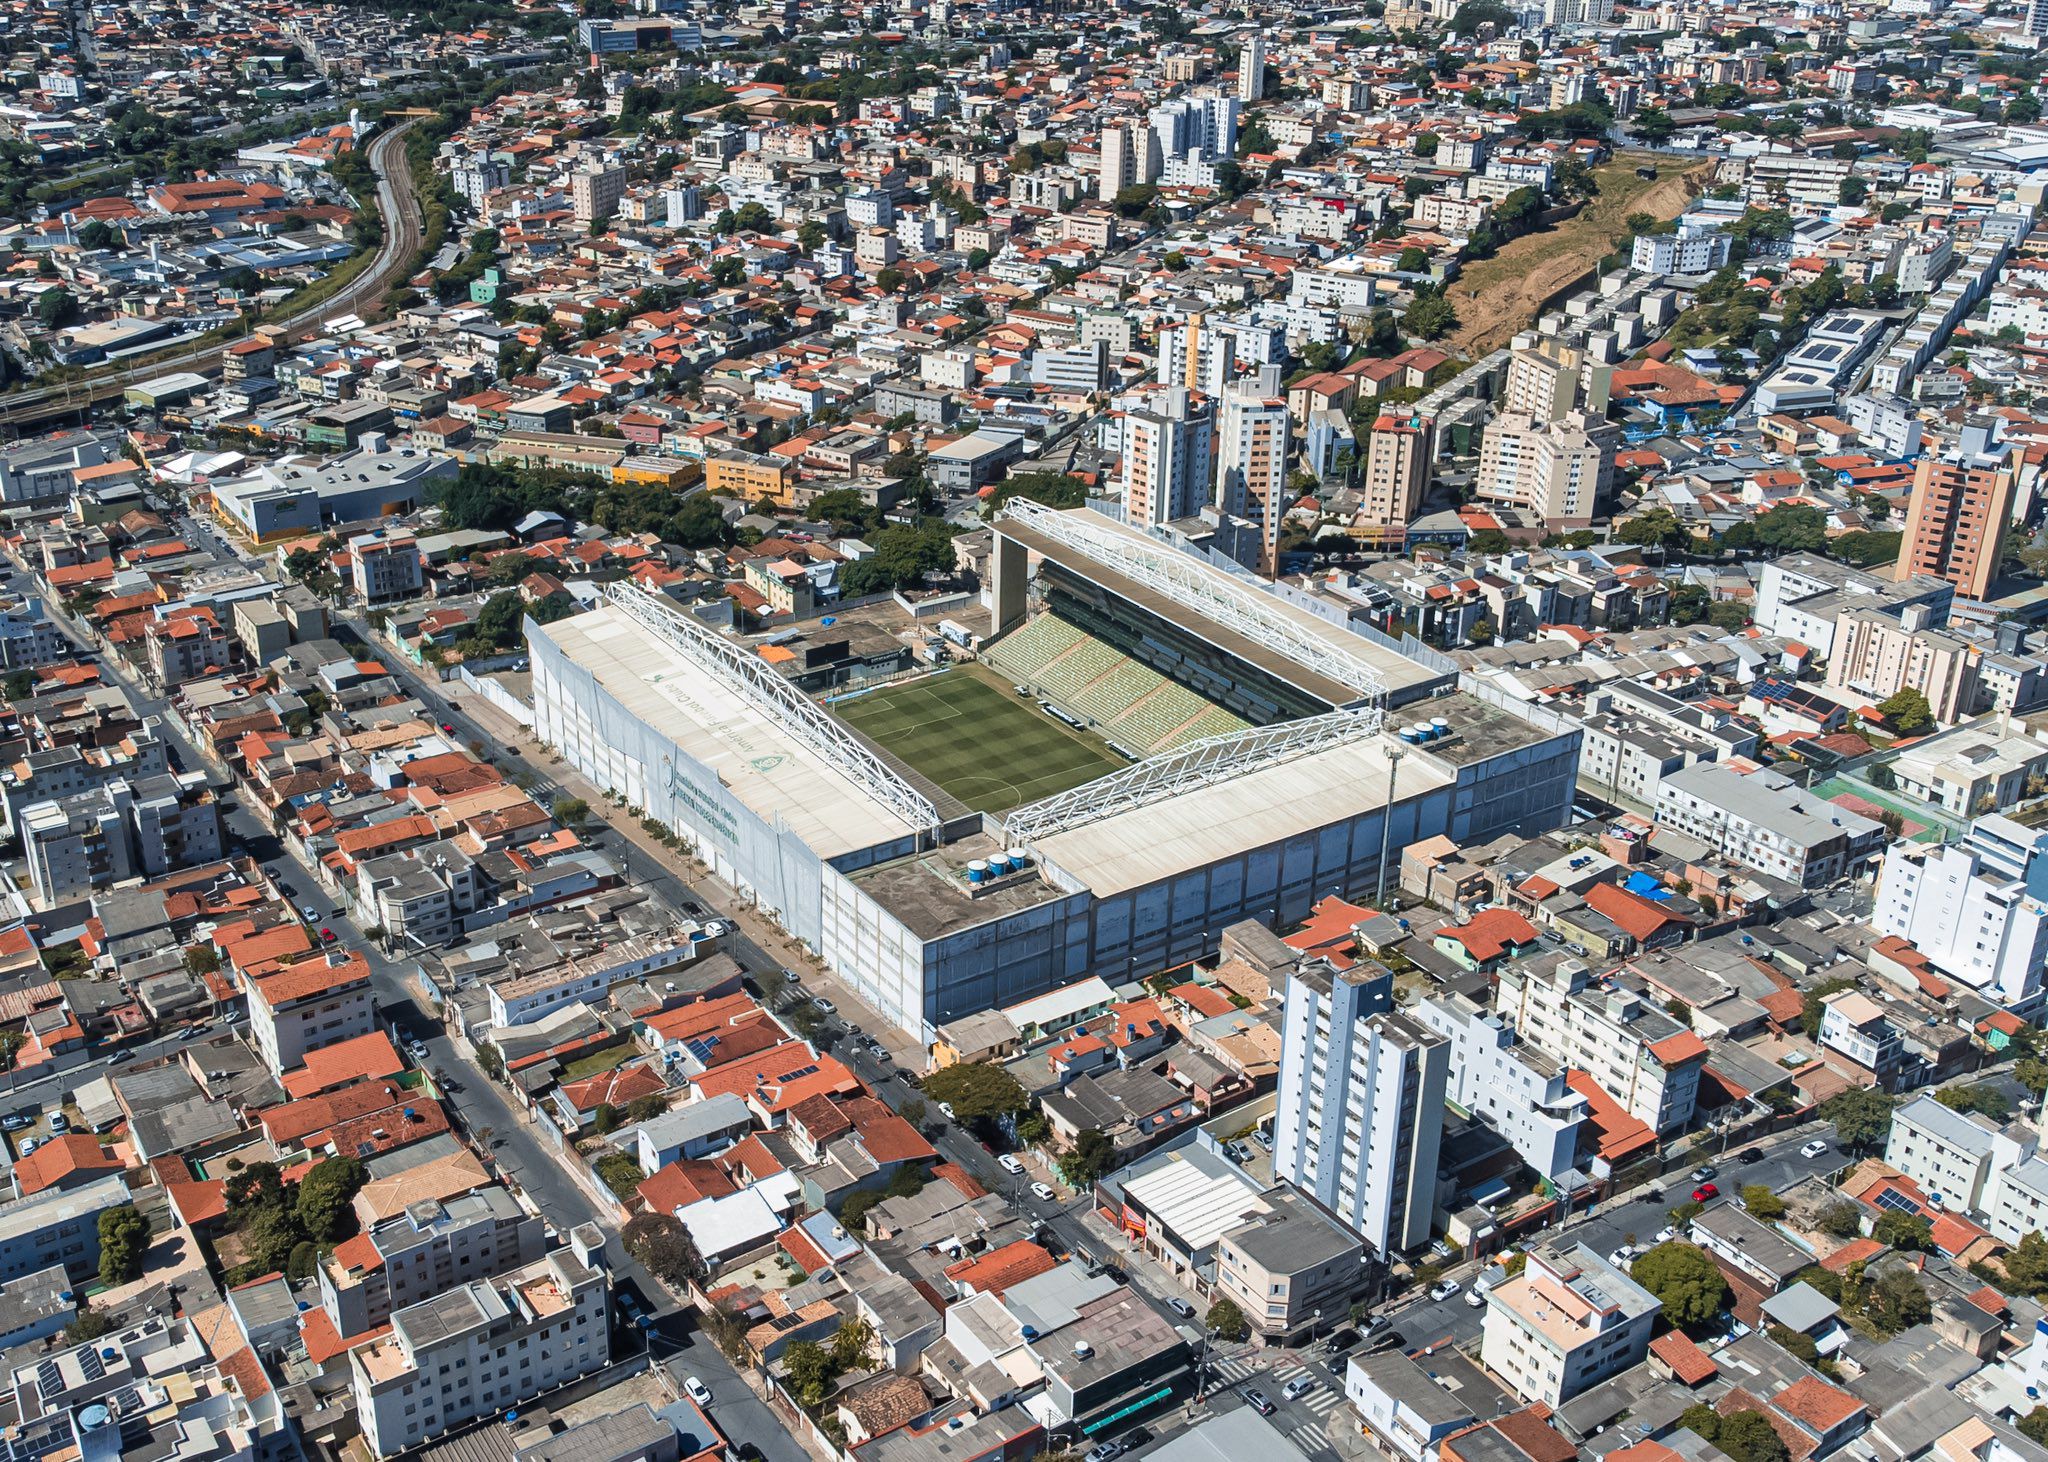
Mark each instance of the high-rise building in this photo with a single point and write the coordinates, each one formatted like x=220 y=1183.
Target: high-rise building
x=1205 y=126
x=594 y=193
x=1550 y=380
x=1251 y=462
x=1398 y=453
x=1568 y=1321
x=1168 y=457
x=1962 y=505
x=1251 y=68
x=1558 y=470
x=1361 y=1109
x=1130 y=157
x=1969 y=910
x=1194 y=356
x=2034 y=20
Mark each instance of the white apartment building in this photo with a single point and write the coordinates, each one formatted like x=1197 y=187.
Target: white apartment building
x=1251 y=68
x=1976 y=922
x=1765 y=822
x=385 y=565
x=1361 y=1104
x=1515 y=1089
x=1801 y=597
x=1628 y=1044
x=1877 y=655
x=308 y=1006
x=1559 y=470
x=1691 y=250
x=1168 y=457
x=1568 y=1321
x=429 y=1248
x=482 y=1347
x=1969 y=1163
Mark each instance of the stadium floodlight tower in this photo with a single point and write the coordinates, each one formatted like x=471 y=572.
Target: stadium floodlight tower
x=1240 y=607
x=790 y=708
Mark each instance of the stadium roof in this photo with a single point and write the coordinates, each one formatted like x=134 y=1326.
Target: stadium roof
x=1404 y=679
x=1211 y=824
x=769 y=771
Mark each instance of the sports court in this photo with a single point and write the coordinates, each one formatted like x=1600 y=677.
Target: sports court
x=969 y=731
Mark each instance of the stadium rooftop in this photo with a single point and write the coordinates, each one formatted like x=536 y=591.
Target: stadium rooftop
x=1404 y=679
x=772 y=773
x=1211 y=824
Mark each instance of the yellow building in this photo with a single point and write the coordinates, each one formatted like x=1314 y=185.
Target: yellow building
x=660 y=471
x=750 y=477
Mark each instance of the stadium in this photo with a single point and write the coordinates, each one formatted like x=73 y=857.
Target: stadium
x=1148 y=748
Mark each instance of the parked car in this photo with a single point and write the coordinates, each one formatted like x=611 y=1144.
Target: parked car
x=1044 y=1193
x=1750 y=1154
x=947 y=1108
x=1705 y=1192
x=1297 y=1388
x=1666 y=1234
x=1258 y=1400
x=697 y=1390
x=326 y=935
x=1813 y=1149
x=310 y=914
x=16 y=1122
x=1104 y=1452
x=447 y=728
x=1702 y=1173
x=59 y=1124
x=1443 y=1289
x=825 y=1005
x=1476 y=1298
x=1181 y=1307
x=1009 y=1163
x=1263 y=1138
x=417 y=1049
x=30 y=1144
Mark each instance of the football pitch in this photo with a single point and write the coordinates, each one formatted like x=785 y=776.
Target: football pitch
x=968 y=731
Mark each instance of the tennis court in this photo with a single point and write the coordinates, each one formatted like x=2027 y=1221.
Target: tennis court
x=971 y=733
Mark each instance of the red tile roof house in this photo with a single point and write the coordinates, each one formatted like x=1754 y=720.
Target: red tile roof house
x=1490 y=938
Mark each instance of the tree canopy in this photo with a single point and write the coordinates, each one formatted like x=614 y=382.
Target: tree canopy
x=1686 y=1279
x=976 y=1091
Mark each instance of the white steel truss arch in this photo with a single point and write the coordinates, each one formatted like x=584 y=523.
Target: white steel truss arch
x=788 y=706
x=1198 y=764
x=1237 y=607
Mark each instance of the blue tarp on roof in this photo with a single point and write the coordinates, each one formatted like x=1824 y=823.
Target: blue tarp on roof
x=1645 y=886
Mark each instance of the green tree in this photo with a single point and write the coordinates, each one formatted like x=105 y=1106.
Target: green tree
x=1658 y=528
x=1907 y=1231
x=1860 y=1117
x=1985 y=1098
x=1727 y=615
x=571 y=811
x=1813 y=1009
x=87 y=1324
x=55 y=308
x=1685 y=1279
x=1748 y=1436
x=975 y=1090
x=1762 y=1202
x=1093 y=1155
x=325 y=1198
x=1689 y=604
x=1226 y=1319
x=1413 y=260
x=2034 y=1426
x=852 y=1343
x=661 y=1243
x=1906 y=712
x=1430 y=315
x=807 y=1366
x=1791 y=528
x=124 y=1244
x=1897 y=1300
x=1840 y=1218
x=257 y=1185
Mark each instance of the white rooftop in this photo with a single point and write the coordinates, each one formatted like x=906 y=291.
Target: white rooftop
x=776 y=776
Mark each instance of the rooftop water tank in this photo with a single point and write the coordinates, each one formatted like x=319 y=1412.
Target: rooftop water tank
x=977 y=871
x=92 y=1417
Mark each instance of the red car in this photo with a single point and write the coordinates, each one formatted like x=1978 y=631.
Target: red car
x=1705 y=1191
x=447 y=728
x=327 y=936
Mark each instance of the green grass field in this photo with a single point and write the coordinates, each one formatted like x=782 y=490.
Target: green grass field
x=968 y=731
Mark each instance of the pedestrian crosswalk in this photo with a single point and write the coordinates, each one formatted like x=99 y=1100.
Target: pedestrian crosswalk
x=1307 y=1420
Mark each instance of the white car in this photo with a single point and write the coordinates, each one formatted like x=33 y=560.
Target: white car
x=697 y=1390
x=1008 y=1163
x=1298 y=1387
x=1444 y=1289
x=1666 y=1234
x=1041 y=1191
x=1476 y=1298
x=1813 y=1149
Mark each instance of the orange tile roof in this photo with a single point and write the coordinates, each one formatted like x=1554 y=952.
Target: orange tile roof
x=997 y=1270
x=1688 y=1362
x=1816 y=1404
x=59 y=1158
x=370 y=1057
